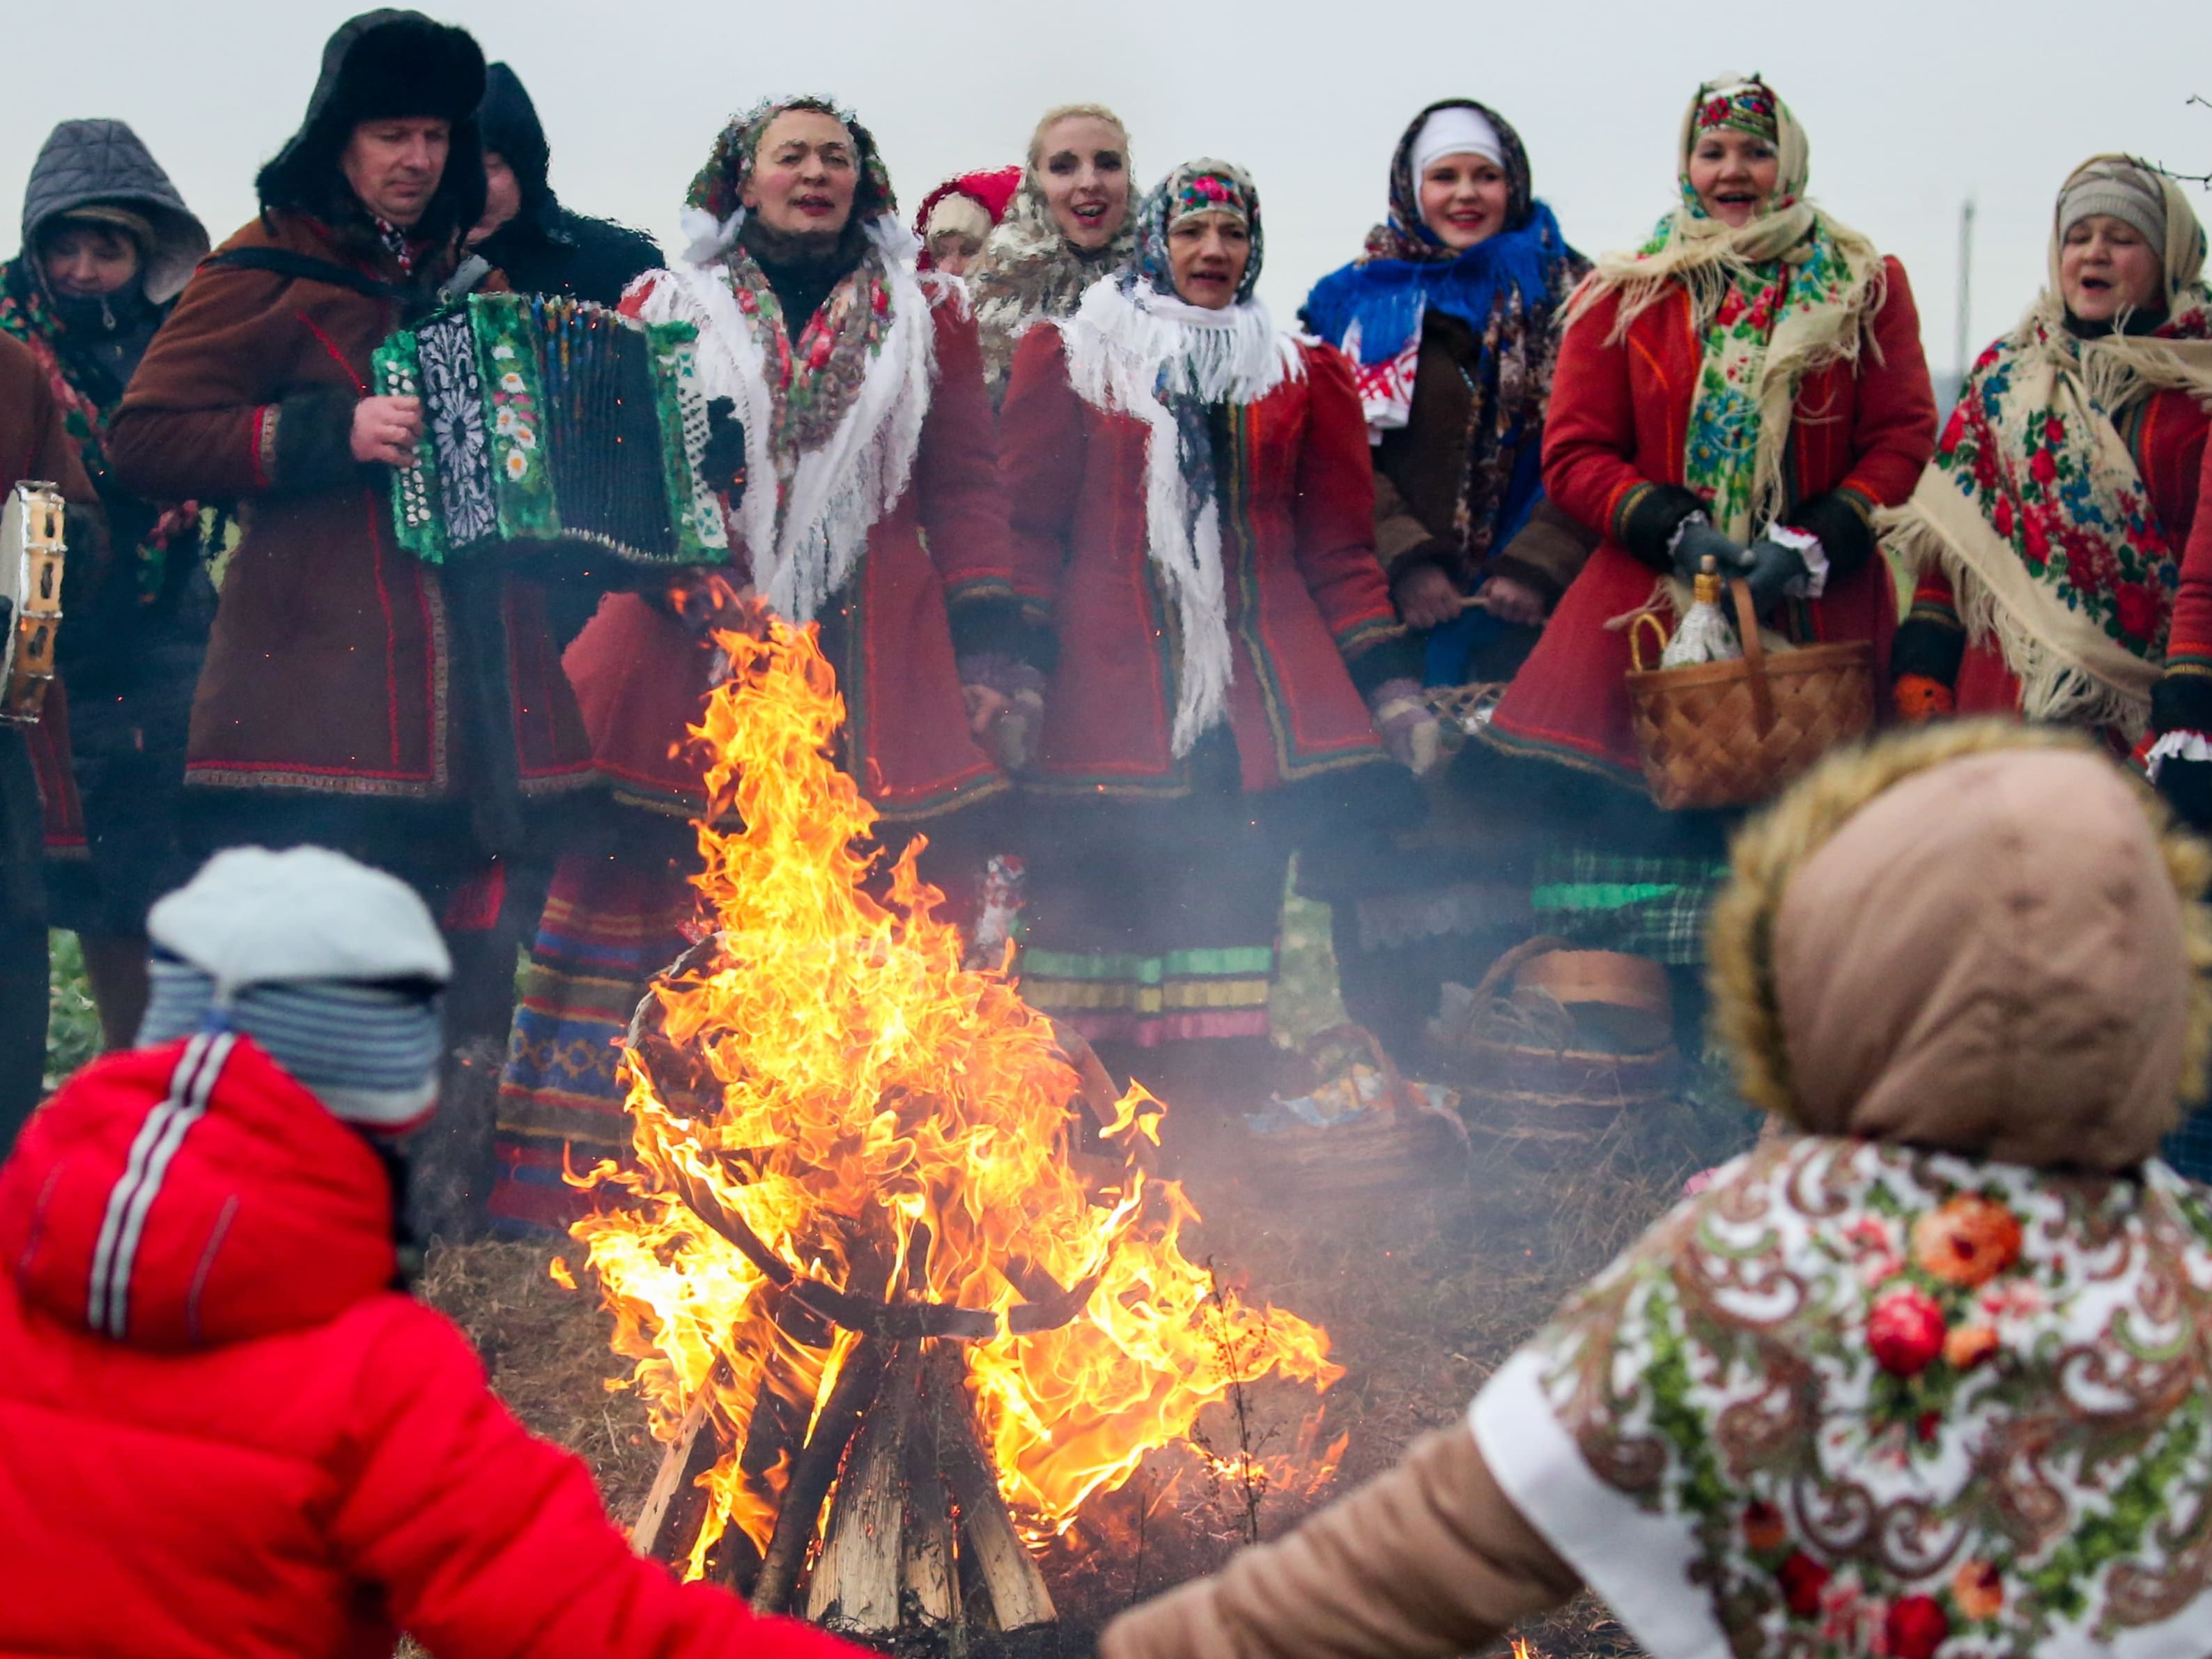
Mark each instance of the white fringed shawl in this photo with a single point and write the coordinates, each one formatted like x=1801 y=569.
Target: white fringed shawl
x=1127 y=350
x=806 y=518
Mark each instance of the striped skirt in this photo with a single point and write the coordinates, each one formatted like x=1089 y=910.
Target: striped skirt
x=1152 y=922
x=609 y=926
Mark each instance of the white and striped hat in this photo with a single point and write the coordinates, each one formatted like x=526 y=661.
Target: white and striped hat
x=332 y=968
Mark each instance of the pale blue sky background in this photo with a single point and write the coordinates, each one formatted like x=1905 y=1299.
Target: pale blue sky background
x=1910 y=106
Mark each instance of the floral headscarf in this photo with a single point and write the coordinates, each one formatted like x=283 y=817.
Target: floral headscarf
x=1779 y=298
x=1405 y=234
x=1195 y=188
x=1748 y=107
x=718 y=187
x=1511 y=288
x=832 y=404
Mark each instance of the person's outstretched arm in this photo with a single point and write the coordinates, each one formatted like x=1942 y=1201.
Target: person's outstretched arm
x=490 y=1543
x=1428 y=1560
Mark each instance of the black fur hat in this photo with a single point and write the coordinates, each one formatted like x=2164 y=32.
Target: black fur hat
x=379 y=65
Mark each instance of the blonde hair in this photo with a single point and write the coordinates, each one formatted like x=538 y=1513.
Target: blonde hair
x=1059 y=113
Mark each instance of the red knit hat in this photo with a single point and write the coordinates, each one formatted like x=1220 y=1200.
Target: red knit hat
x=993 y=191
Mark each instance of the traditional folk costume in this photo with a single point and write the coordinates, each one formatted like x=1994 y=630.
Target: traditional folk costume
x=972 y=204
x=1192 y=505
x=872 y=509
x=35 y=444
x=111 y=744
x=1029 y=272
x=2047 y=535
x=353 y=696
x=1453 y=353
x=1931 y=1374
x=1768 y=375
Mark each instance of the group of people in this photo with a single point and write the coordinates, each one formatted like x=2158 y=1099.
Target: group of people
x=1118 y=575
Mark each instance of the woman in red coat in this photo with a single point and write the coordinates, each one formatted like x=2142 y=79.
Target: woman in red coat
x=2047 y=535
x=1192 y=505
x=872 y=509
x=1749 y=386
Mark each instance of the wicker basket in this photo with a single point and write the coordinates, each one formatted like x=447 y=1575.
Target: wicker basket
x=1731 y=734
x=1550 y=1091
x=1401 y=1148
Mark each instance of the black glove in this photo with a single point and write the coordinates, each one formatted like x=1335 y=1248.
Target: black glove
x=1699 y=542
x=2187 y=786
x=1773 y=566
x=723 y=460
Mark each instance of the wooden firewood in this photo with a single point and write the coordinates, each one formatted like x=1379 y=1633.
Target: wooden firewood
x=1009 y=1572
x=811 y=1474
x=926 y=1541
x=856 y=1580
x=674 y=1507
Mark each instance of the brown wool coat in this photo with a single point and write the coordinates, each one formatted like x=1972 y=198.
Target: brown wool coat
x=1421 y=468
x=336 y=665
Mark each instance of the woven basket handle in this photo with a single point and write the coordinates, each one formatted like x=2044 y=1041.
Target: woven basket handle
x=1636 y=624
x=1754 y=654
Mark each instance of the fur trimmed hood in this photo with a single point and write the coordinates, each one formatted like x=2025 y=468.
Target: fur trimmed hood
x=1982 y=938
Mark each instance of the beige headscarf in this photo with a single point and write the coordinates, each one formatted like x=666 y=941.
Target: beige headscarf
x=2052 y=627
x=1825 y=318
x=2118 y=368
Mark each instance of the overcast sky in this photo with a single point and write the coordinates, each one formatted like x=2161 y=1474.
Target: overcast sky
x=1911 y=108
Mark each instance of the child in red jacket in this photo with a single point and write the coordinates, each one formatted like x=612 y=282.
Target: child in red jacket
x=225 y=1432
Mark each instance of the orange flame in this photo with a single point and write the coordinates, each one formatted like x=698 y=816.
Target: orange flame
x=889 y=1124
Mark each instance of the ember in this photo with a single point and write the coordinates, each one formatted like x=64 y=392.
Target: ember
x=871 y=1223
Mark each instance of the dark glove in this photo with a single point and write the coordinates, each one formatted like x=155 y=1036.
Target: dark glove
x=1772 y=568
x=2187 y=786
x=1699 y=542
x=723 y=460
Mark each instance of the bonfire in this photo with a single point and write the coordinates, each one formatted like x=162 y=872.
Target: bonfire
x=891 y=1258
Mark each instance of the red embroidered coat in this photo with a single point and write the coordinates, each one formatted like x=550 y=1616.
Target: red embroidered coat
x=333 y=667
x=642 y=676
x=35 y=448
x=1613 y=445
x=1304 y=590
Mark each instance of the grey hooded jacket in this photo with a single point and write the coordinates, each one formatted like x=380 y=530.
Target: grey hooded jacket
x=99 y=161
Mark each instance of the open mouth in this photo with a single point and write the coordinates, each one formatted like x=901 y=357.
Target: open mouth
x=1090 y=212
x=814 y=204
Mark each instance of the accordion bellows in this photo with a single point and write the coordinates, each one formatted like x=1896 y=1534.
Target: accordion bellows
x=549 y=420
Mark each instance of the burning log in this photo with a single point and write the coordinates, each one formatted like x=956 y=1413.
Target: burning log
x=677 y=1504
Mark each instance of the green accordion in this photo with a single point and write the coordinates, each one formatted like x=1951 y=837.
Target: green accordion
x=549 y=420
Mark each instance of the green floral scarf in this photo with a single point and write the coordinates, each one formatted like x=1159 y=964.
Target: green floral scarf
x=1854 y=1399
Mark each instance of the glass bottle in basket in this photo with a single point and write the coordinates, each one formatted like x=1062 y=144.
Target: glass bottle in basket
x=1705 y=633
